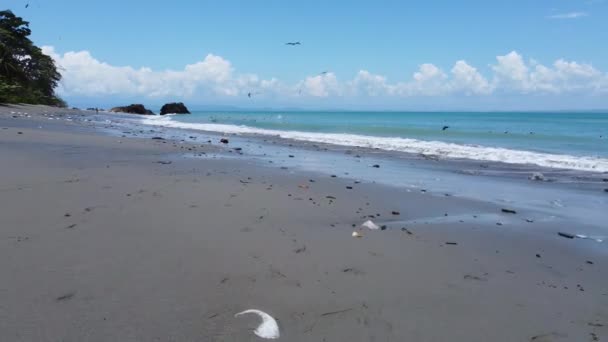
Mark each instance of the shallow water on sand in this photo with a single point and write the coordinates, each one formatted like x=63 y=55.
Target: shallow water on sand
x=576 y=196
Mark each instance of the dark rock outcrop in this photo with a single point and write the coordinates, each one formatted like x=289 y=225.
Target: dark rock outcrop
x=132 y=109
x=174 y=108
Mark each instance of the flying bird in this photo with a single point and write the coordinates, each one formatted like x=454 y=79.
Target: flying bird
x=445 y=127
x=27 y=5
x=293 y=43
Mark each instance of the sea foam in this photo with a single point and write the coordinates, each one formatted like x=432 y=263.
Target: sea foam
x=423 y=147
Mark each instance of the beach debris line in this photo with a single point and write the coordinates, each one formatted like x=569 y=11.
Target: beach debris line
x=268 y=329
x=369 y=224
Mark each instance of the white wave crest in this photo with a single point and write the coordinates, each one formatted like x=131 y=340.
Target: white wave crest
x=427 y=148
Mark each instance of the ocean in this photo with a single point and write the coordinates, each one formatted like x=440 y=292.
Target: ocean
x=561 y=140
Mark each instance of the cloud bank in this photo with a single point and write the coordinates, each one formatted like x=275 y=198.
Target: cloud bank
x=214 y=76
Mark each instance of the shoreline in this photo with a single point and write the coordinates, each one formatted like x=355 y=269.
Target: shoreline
x=105 y=237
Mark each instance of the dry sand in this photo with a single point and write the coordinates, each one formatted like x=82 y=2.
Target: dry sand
x=101 y=242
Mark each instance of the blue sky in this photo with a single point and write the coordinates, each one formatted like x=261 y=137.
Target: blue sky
x=388 y=39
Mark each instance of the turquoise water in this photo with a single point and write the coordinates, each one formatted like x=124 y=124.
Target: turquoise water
x=560 y=140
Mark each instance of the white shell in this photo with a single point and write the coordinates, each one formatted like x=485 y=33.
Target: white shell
x=268 y=329
x=370 y=225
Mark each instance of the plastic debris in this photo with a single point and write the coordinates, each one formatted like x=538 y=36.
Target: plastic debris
x=594 y=238
x=537 y=176
x=357 y=234
x=370 y=225
x=581 y=236
x=269 y=328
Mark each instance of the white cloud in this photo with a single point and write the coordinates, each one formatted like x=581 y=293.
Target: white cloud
x=321 y=85
x=366 y=83
x=85 y=75
x=569 y=15
x=512 y=73
x=214 y=76
x=468 y=80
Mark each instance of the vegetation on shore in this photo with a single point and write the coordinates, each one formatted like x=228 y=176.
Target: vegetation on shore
x=27 y=75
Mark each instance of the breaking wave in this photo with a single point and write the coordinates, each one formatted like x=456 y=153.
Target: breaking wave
x=427 y=148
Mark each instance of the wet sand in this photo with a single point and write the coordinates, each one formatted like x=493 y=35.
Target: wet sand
x=106 y=238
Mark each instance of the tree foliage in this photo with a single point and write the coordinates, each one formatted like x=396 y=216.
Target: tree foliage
x=26 y=74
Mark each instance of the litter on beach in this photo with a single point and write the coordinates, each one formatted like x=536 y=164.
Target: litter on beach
x=594 y=238
x=268 y=329
x=370 y=225
x=357 y=235
x=581 y=236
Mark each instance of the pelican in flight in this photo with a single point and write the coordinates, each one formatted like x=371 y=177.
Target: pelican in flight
x=293 y=43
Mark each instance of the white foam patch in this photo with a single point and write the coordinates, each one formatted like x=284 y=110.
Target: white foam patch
x=269 y=328
x=428 y=148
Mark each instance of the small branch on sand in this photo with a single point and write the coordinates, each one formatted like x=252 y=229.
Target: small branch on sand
x=335 y=312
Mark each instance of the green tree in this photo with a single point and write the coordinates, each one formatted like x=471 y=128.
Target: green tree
x=26 y=74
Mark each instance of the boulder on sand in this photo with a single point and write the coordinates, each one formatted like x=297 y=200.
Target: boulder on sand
x=174 y=108
x=132 y=109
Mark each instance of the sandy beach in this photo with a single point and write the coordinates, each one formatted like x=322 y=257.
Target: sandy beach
x=118 y=238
